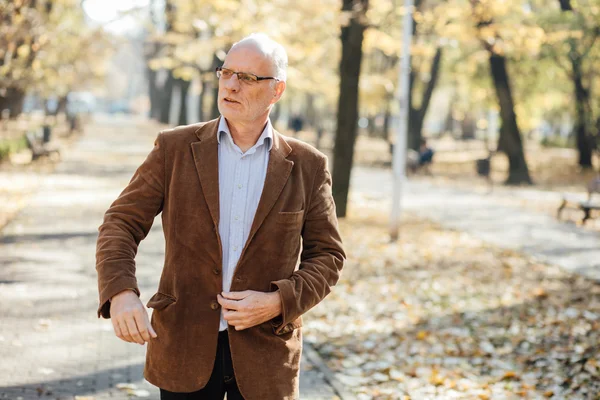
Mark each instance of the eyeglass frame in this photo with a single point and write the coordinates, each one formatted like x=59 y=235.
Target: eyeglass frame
x=258 y=78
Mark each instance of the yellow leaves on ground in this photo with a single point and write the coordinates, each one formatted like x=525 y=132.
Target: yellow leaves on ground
x=440 y=314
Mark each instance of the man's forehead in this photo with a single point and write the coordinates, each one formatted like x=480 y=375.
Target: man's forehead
x=248 y=56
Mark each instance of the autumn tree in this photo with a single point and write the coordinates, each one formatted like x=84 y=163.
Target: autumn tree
x=47 y=49
x=510 y=141
x=578 y=34
x=21 y=38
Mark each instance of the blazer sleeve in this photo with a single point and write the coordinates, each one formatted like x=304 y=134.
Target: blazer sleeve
x=322 y=257
x=126 y=223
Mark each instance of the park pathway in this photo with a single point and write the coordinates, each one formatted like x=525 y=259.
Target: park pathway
x=488 y=217
x=51 y=342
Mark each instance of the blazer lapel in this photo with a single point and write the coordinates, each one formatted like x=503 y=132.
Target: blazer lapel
x=278 y=172
x=206 y=158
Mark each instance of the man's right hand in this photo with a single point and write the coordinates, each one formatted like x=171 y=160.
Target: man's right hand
x=130 y=318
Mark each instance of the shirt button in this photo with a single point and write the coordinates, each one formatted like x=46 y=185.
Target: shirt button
x=237 y=218
x=240 y=186
x=216 y=271
x=234 y=248
x=214 y=305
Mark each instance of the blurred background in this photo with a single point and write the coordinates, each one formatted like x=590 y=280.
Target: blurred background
x=491 y=290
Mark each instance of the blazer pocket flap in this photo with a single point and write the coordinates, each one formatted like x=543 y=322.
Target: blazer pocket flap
x=295 y=324
x=160 y=301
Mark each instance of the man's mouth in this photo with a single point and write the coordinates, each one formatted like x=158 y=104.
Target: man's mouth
x=229 y=100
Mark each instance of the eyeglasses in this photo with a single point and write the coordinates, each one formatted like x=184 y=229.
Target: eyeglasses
x=242 y=76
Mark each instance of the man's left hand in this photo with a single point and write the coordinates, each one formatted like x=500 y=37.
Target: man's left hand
x=249 y=308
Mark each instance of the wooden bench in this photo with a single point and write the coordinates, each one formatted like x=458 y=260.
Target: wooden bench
x=39 y=149
x=587 y=206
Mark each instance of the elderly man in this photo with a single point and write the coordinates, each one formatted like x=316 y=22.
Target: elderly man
x=236 y=199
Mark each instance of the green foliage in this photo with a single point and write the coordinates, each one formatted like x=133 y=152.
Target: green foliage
x=558 y=141
x=8 y=146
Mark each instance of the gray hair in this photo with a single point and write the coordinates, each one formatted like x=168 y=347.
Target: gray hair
x=270 y=49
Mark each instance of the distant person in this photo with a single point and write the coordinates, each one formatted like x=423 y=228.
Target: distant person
x=425 y=153
x=239 y=204
x=297 y=123
x=419 y=159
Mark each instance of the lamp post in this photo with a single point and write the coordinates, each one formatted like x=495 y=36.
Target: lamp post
x=401 y=127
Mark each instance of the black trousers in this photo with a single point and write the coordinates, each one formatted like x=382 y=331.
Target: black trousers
x=222 y=379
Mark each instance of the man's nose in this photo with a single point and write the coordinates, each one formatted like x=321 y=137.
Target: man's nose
x=232 y=83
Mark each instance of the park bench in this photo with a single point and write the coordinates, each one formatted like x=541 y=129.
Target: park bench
x=588 y=205
x=38 y=148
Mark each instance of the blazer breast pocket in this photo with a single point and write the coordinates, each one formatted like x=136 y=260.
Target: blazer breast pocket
x=290 y=217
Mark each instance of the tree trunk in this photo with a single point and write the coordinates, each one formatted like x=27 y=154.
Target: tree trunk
x=585 y=141
x=184 y=87
x=275 y=113
x=468 y=126
x=417 y=116
x=166 y=96
x=583 y=111
x=47 y=110
x=202 y=98
x=12 y=101
x=347 y=114
x=154 y=94
x=167 y=90
x=214 y=113
x=565 y=5
x=151 y=50
x=215 y=106
x=387 y=134
x=310 y=114
x=510 y=138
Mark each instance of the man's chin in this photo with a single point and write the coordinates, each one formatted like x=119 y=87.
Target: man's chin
x=230 y=115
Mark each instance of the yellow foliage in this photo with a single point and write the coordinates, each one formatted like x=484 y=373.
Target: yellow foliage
x=23 y=51
x=381 y=41
x=185 y=73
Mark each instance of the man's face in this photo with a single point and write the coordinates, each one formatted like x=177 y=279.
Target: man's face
x=243 y=102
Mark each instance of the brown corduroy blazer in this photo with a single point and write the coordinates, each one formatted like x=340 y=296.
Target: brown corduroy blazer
x=295 y=216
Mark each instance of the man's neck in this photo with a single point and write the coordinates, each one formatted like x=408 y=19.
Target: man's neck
x=246 y=135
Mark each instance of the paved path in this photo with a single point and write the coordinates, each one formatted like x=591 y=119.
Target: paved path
x=51 y=341
x=487 y=217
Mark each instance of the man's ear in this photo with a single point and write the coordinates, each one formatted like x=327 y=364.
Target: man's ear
x=279 y=89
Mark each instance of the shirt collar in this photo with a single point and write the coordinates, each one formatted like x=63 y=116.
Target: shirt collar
x=266 y=135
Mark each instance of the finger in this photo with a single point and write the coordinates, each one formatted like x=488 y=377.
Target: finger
x=225 y=303
x=151 y=329
x=239 y=322
x=236 y=295
x=124 y=331
x=117 y=328
x=141 y=322
x=133 y=331
x=228 y=315
x=232 y=317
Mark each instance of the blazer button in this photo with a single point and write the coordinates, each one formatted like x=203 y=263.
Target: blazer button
x=216 y=271
x=214 y=305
